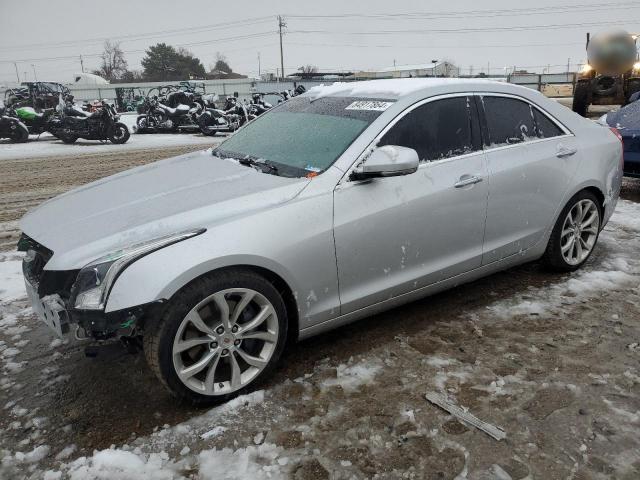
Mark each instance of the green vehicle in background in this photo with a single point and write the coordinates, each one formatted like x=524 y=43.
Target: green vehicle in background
x=34 y=103
x=36 y=122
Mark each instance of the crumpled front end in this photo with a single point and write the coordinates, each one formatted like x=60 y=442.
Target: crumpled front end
x=52 y=297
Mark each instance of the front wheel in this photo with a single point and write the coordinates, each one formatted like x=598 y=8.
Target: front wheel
x=205 y=123
x=120 y=133
x=217 y=337
x=575 y=233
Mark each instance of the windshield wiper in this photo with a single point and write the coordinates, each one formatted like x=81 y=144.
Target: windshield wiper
x=262 y=164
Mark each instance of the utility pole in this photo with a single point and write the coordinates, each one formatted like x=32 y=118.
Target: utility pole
x=17 y=74
x=81 y=64
x=259 y=76
x=280 y=25
x=35 y=77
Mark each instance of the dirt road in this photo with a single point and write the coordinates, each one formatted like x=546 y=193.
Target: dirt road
x=27 y=182
x=552 y=359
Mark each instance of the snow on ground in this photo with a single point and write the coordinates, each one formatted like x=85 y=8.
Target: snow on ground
x=11 y=279
x=618 y=270
x=47 y=145
x=195 y=448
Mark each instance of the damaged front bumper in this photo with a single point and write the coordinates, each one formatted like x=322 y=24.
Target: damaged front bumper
x=50 y=309
x=51 y=298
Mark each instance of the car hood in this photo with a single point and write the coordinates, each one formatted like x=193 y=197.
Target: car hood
x=195 y=190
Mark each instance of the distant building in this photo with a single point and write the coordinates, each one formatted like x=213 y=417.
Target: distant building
x=437 y=69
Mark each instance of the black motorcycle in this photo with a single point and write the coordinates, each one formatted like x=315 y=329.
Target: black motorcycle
x=169 y=111
x=231 y=117
x=12 y=128
x=101 y=124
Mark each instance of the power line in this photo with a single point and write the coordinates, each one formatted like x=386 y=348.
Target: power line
x=142 y=36
x=470 y=30
x=191 y=44
x=431 y=46
x=475 y=13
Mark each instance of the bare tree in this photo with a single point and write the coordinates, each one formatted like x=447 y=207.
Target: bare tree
x=113 y=64
x=308 y=69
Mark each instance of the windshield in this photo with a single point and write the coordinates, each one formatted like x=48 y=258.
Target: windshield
x=303 y=135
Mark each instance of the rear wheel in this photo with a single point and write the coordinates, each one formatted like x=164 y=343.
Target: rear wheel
x=633 y=90
x=120 y=133
x=581 y=98
x=575 y=233
x=19 y=132
x=68 y=138
x=217 y=337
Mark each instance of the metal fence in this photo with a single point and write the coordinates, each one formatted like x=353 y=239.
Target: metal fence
x=551 y=84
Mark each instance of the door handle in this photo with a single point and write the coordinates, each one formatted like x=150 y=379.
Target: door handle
x=467 y=180
x=565 y=152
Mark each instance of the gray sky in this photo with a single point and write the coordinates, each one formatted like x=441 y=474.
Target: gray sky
x=376 y=32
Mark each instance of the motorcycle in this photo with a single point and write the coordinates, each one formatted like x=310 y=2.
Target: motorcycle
x=162 y=117
x=230 y=118
x=258 y=105
x=102 y=124
x=12 y=128
x=36 y=122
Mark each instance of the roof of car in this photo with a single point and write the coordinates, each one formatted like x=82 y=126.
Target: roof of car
x=400 y=87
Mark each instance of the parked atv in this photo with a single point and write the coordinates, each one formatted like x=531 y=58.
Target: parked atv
x=102 y=124
x=12 y=128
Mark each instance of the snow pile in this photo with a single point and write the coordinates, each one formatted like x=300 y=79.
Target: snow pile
x=116 y=464
x=11 y=281
x=619 y=241
x=352 y=377
x=255 y=463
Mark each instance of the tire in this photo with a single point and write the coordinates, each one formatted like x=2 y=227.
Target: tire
x=19 y=132
x=68 y=138
x=560 y=245
x=120 y=134
x=203 y=123
x=633 y=90
x=174 y=327
x=581 y=98
x=146 y=124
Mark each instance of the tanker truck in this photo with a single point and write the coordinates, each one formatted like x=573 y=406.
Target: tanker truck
x=611 y=75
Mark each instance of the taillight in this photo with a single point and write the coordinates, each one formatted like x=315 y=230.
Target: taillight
x=616 y=132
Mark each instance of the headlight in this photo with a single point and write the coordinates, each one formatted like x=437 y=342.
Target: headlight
x=94 y=282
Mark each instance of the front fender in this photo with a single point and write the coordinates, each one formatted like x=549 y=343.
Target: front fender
x=160 y=275
x=294 y=241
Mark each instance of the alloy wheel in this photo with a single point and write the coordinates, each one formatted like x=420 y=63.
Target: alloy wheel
x=579 y=231
x=225 y=341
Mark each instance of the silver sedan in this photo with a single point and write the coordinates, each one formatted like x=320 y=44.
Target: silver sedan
x=337 y=204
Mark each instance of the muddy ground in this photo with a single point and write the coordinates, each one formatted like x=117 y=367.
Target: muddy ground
x=562 y=379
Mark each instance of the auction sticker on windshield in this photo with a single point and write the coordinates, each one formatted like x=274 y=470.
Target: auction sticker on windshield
x=369 y=105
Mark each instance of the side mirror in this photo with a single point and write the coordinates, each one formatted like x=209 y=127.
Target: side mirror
x=387 y=161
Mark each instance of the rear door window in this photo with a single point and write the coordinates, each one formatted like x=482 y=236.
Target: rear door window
x=509 y=121
x=437 y=130
x=545 y=128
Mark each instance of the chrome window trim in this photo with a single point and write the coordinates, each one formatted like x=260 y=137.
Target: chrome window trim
x=369 y=148
x=560 y=125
